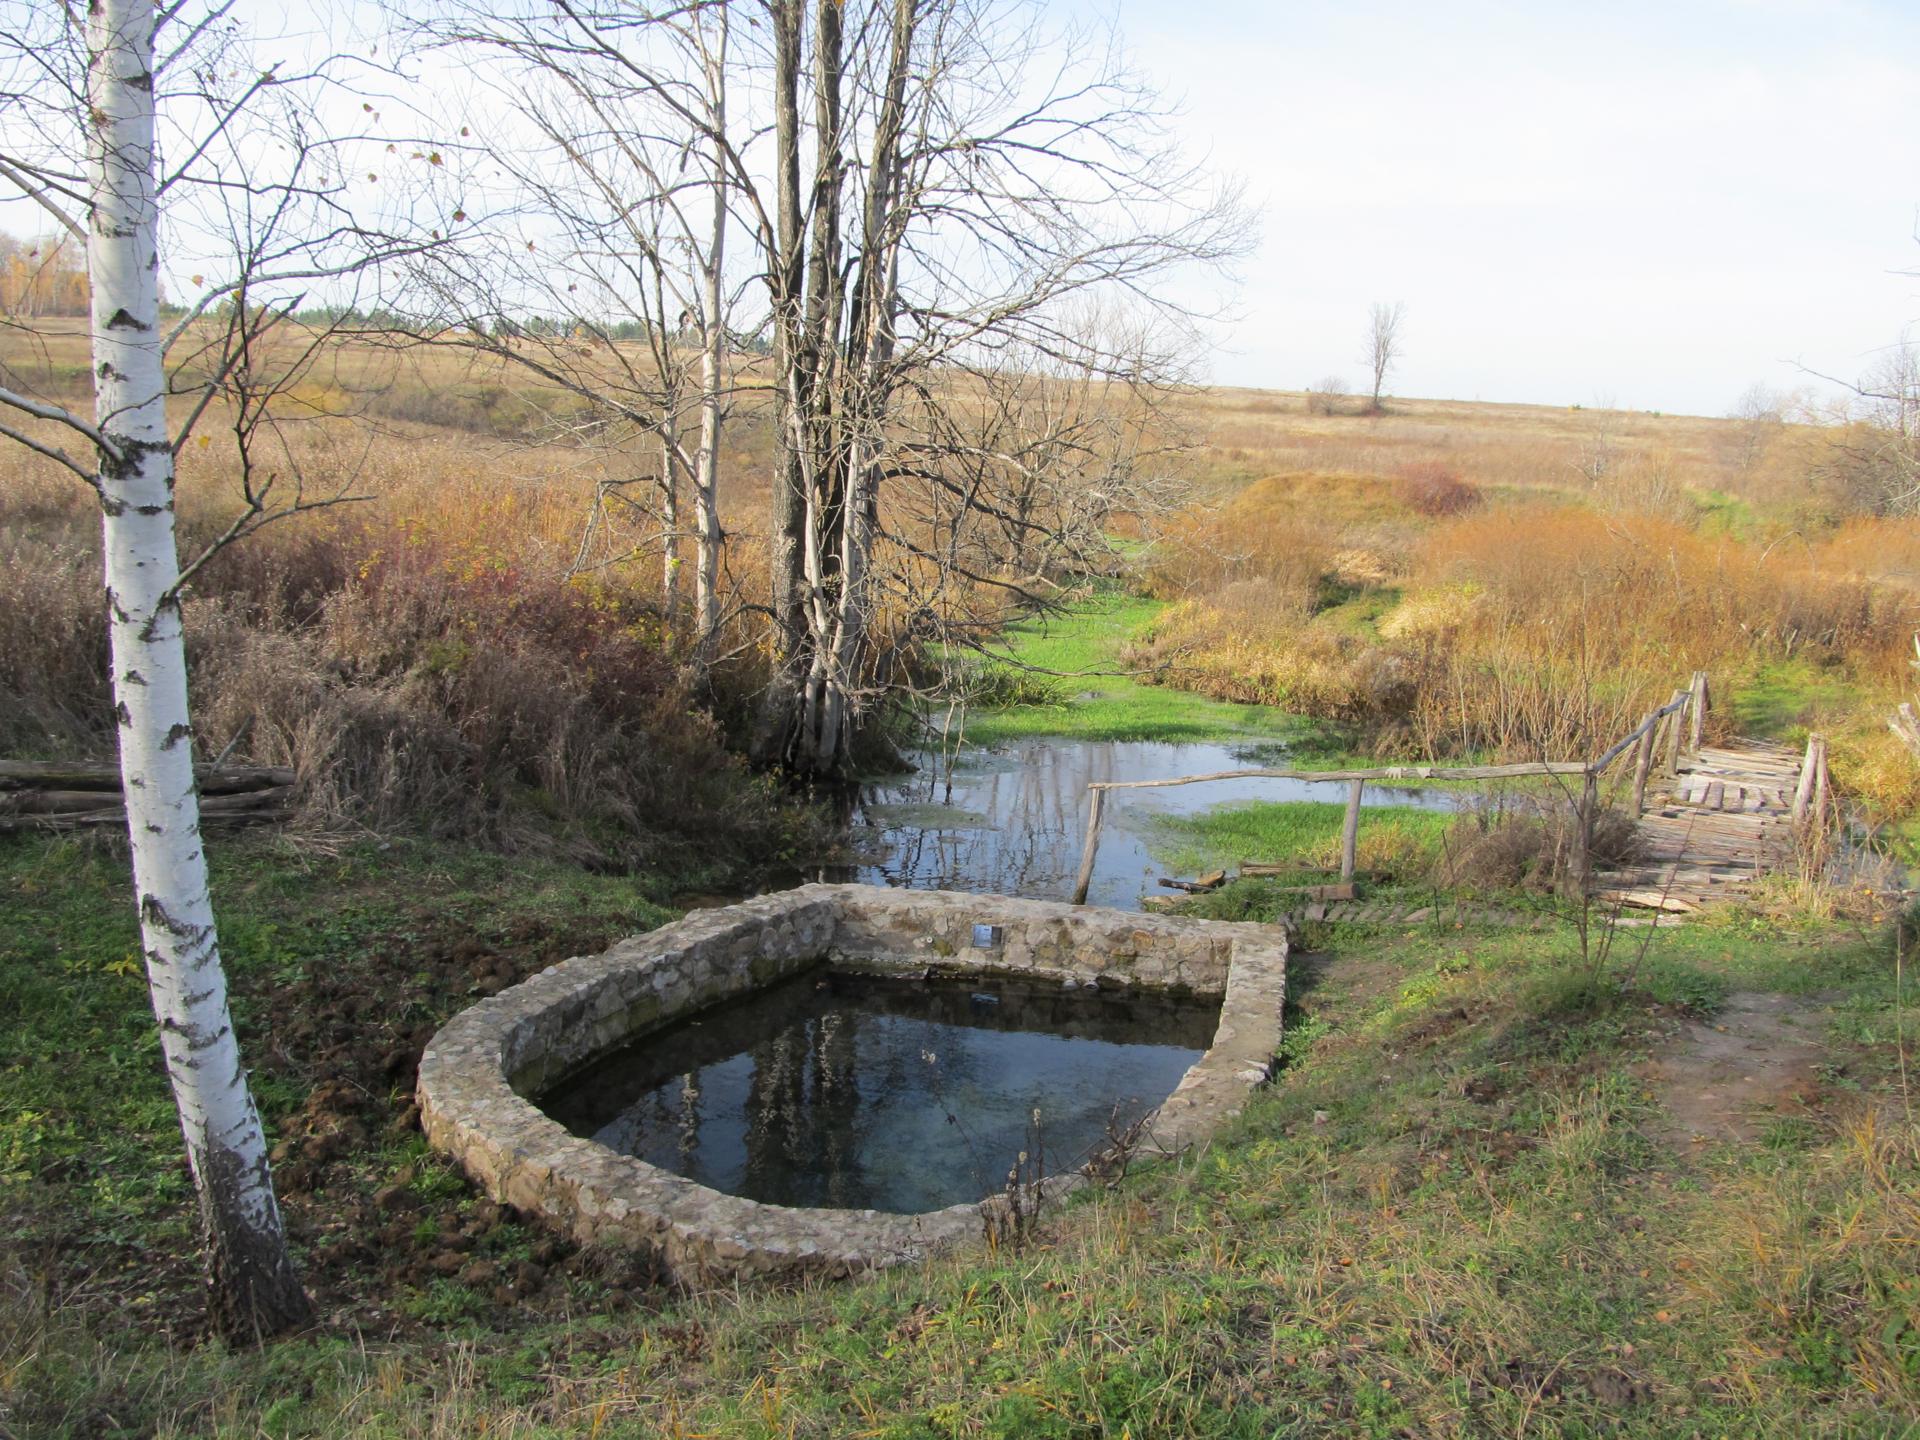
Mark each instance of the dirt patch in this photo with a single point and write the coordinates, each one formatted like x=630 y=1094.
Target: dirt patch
x=1723 y=1079
x=1336 y=987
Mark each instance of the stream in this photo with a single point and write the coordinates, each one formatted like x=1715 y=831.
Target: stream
x=1011 y=819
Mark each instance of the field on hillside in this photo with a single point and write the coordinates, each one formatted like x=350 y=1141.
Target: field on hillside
x=1525 y=581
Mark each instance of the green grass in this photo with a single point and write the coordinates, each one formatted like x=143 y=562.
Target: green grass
x=1779 y=698
x=1722 y=513
x=1403 y=838
x=1100 y=702
x=87 y=1124
x=1454 y=1213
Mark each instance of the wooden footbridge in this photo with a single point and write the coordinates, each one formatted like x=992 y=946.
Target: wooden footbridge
x=1710 y=818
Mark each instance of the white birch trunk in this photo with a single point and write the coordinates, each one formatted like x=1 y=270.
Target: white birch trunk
x=252 y=1286
x=713 y=354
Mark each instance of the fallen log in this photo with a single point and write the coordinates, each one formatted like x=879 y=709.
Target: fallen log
x=61 y=809
x=54 y=775
x=1212 y=880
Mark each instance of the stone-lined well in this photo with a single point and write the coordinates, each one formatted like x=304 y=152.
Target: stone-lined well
x=480 y=1075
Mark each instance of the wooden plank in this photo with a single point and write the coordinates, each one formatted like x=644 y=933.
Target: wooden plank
x=1344 y=891
x=1396 y=774
x=1803 y=791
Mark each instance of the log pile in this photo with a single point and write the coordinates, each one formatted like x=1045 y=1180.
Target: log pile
x=62 y=796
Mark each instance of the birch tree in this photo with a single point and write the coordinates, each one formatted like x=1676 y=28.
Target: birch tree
x=158 y=105
x=252 y=1283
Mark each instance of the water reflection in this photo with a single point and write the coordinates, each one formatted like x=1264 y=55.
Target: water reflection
x=1010 y=821
x=820 y=1091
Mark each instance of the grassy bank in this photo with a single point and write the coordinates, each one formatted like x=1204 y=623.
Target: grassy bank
x=1398 y=842
x=1461 y=1209
x=1079 y=660
x=341 y=967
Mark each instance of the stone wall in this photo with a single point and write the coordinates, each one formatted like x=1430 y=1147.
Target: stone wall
x=478 y=1073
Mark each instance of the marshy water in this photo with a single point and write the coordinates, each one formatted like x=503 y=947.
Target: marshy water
x=895 y=1095
x=1010 y=820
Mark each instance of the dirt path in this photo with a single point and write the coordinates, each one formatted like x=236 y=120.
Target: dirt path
x=1722 y=1080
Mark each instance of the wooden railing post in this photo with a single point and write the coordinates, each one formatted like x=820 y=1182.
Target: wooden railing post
x=1821 y=782
x=1096 y=802
x=1583 y=831
x=1350 y=832
x=1673 y=732
x=1803 y=792
x=1699 y=708
x=1643 y=765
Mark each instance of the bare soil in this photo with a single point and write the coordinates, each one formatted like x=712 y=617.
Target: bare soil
x=1723 y=1079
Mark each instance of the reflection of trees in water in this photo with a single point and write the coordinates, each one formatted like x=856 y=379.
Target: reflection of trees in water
x=802 y=1110
x=1035 y=812
x=689 y=1120
x=836 y=1104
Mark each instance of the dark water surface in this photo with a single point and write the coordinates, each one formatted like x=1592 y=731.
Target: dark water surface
x=1011 y=820
x=892 y=1095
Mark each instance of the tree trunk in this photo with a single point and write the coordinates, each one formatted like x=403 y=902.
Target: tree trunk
x=252 y=1286
x=670 y=524
x=785 y=533
x=713 y=357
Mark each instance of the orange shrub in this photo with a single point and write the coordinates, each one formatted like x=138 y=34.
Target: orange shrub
x=1436 y=489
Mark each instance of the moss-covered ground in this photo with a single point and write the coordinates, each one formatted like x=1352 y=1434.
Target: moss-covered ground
x=1078 y=660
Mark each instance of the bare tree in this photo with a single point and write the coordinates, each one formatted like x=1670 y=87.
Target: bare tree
x=623 y=171
x=1759 y=415
x=137 y=82
x=1598 y=453
x=960 y=207
x=1326 y=396
x=920 y=201
x=1868 y=459
x=1383 y=344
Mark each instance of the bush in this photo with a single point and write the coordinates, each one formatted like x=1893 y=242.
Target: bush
x=1435 y=489
x=1508 y=843
x=416 y=687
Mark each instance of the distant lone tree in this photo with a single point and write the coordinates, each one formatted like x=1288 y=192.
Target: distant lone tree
x=1383 y=344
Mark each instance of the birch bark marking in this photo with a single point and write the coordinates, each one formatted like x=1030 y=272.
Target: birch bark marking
x=253 y=1290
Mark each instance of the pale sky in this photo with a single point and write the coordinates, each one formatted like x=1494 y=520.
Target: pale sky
x=1650 y=205
x=1657 y=204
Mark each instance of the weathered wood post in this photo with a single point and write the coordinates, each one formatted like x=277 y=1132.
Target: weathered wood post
x=1674 y=723
x=1583 y=855
x=1643 y=763
x=1096 y=802
x=1821 y=781
x=1906 y=724
x=1699 y=709
x=1803 y=792
x=1350 y=832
